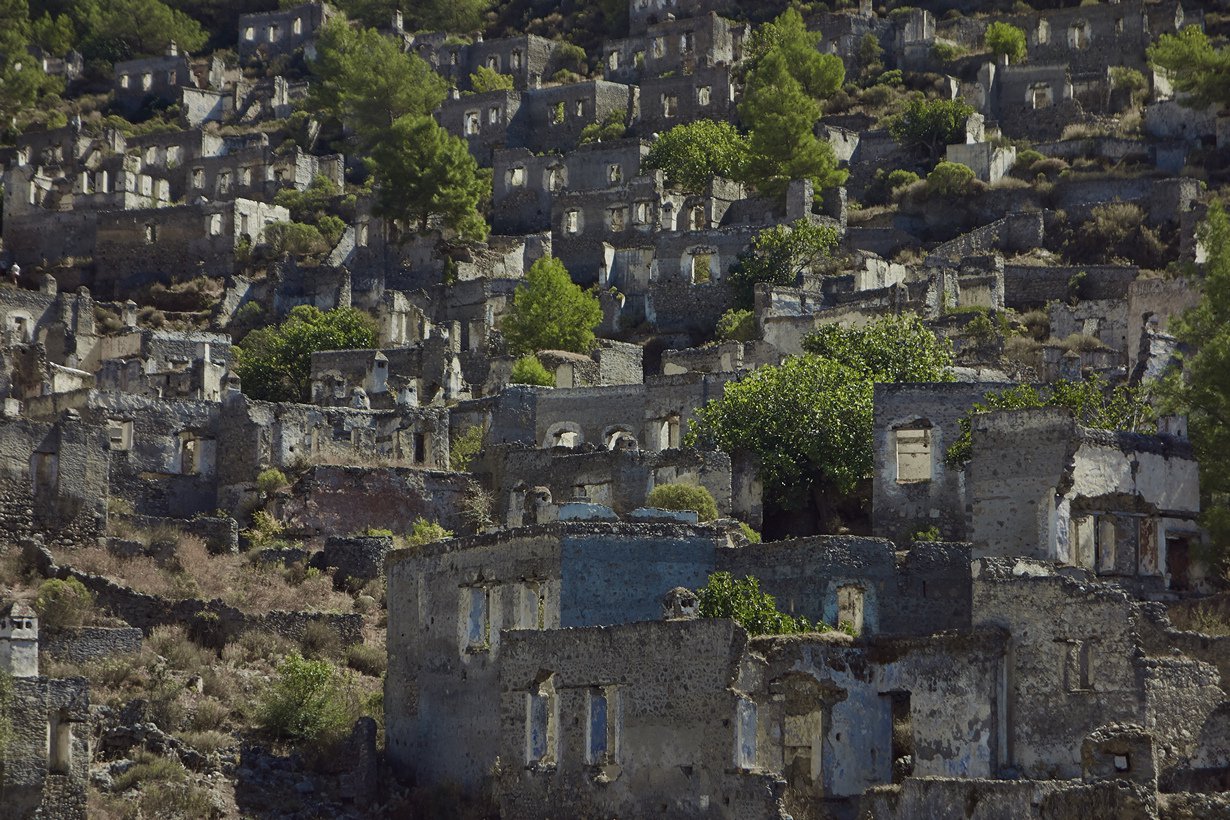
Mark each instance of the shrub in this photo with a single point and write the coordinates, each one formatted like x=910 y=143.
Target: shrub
x=750 y=534
x=488 y=79
x=305 y=702
x=928 y=534
x=900 y=178
x=425 y=532
x=464 y=448
x=950 y=179
x=684 y=497
x=1025 y=161
x=295 y=238
x=319 y=641
x=62 y=604
x=529 y=370
x=736 y=325
x=270 y=481
x=209 y=715
x=265 y=528
x=945 y=52
x=743 y=602
x=369 y=660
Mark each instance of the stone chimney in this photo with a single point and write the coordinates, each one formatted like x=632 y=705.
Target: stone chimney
x=19 y=640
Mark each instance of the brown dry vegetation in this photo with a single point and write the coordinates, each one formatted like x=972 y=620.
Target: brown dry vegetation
x=192 y=572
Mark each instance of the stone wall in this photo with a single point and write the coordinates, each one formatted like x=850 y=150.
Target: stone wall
x=668 y=727
x=87 y=644
x=1027 y=287
x=342 y=500
x=903 y=503
x=924 y=592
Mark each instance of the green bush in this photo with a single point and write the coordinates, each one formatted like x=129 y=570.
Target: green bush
x=295 y=238
x=464 y=448
x=270 y=481
x=488 y=79
x=528 y=370
x=1006 y=39
x=750 y=534
x=684 y=497
x=743 y=602
x=945 y=52
x=306 y=702
x=736 y=325
x=950 y=179
x=62 y=604
x=425 y=532
x=928 y=534
x=900 y=178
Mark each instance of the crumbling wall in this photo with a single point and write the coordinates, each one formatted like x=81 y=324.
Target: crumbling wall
x=342 y=500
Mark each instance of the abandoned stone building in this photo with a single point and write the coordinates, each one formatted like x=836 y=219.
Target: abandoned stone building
x=1004 y=630
x=47 y=757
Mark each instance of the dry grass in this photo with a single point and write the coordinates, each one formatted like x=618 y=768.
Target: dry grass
x=193 y=572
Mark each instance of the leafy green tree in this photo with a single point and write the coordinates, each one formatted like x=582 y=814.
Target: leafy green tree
x=1093 y=402
x=54 y=35
x=1203 y=392
x=488 y=79
x=743 y=602
x=306 y=702
x=890 y=349
x=778 y=255
x=424 y=173
x=364 y=80
x=930 y=125
x=275 y=363
x=694 y=153
x=115 y=30
x=808 y=421
x=1007 y=39
x=22 y=81
x=684 y=497
x=549 y=312
x=1194 y=66
x=785 y=85
x=529 y=370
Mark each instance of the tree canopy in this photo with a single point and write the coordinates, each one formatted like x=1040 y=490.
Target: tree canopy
x=809 y=420
x=550 y=312
x=275 y=363
x=784 y=87
x=778 y=255
x=22 y=81
x=364 y=80
x=930 y=125
x=424 y=172
x=1007 y=39
x=1093 y=402
x=1194 y=66
x=692 y=154
x=1204 y=391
